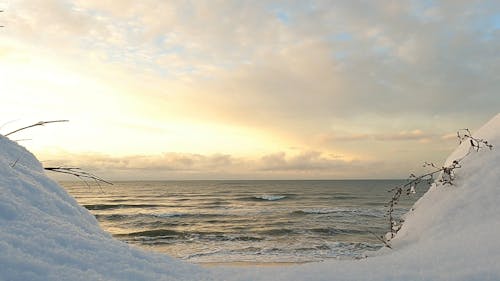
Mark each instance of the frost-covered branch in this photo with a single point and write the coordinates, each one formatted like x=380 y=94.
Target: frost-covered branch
x=447 y=175
x=476 y=144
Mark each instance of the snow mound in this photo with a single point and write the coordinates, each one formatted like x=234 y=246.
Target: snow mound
x=46 y=235
x=453 y=233
x=468 y=210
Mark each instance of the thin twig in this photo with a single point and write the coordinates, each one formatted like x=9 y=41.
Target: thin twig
x=22 y=140
x=447 y=176
x=381 y=240
x=79 y=173
x=15 y=163
x=41 y=123
x=6 y=123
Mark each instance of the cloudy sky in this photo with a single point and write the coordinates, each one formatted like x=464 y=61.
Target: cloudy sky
x=247 y=89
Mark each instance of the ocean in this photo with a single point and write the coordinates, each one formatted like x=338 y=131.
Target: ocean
x=246 y=221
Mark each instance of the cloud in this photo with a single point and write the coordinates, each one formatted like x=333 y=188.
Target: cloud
x=289 y=71
x=449 y=136
x=414 y=135
x=186 y=162
x=304 y=164
x=307 y=161
x=398 y=57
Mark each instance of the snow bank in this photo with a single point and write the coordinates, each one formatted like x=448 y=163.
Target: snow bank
x=452 y=234
x=46 y=235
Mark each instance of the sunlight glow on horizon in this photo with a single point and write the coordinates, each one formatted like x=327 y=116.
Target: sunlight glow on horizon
x=34 y=80
x=271 y=91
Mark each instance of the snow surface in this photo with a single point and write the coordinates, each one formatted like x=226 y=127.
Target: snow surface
x=453 y=233
x=46 y=235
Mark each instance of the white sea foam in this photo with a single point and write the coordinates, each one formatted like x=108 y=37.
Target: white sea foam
x=168 y=215
x=270 y=197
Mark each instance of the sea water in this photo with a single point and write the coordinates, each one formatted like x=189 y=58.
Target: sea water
x=246 y=221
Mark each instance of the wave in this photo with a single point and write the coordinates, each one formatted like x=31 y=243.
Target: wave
x=270 y=197
x=337 y=231
x=146 y=218
x=313 y=212
x=276 y=232
x=341 y=211
x=345 y=197
x=168 y=215
x=112 y=217
x=263 y=197
x=118 y=206
x=288 y=253
x=339 y=249
x=162 y=234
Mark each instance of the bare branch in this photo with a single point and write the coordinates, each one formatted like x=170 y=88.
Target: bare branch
x=381 y=240
x=41 y=123
x=73 y=171
x=15 y=162
x=79 y=173
x=447 y=177
x=6 y=123
x=22 y=140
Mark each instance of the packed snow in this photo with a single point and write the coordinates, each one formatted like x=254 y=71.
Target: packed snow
x=452 y=233
x=46 y=235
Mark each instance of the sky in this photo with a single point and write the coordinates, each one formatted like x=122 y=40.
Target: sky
x=247 y=89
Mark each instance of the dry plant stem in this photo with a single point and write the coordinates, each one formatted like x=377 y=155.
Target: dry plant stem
x=14 y=164
x=447 y=177
x=79 y=173
x=381 y=239
x=74 y=171
x=6 y=123
x=41 y=123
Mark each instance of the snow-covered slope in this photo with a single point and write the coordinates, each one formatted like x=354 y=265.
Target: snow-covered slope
x=46 y=235
x=453 y=234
